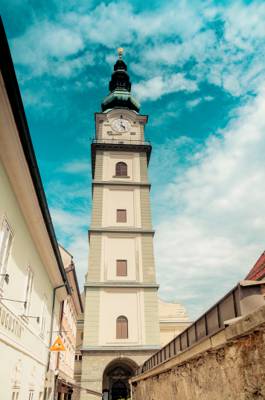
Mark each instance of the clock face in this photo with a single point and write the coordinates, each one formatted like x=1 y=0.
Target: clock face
x=121 y=125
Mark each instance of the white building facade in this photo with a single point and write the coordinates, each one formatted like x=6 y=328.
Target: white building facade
x=72 y=307
x=173 y=319
x=33 y=282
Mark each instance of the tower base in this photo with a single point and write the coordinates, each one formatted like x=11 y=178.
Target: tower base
x=108 y=372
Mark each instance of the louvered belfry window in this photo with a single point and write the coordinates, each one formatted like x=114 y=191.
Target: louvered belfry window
x=121 y=215
x=121 y=169
x=121 y=267
x=122 y=327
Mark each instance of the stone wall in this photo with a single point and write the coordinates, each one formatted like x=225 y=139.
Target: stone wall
x=228 y=366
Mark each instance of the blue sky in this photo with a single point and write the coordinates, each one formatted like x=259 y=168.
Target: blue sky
x=197 y=68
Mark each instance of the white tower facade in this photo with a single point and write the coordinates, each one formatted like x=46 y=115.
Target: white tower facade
x=121 y=327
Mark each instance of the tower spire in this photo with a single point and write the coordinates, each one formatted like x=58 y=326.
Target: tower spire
x=120 y=88
x=120 y=52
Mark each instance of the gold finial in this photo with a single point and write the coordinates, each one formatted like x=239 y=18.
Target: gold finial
x=120 y=52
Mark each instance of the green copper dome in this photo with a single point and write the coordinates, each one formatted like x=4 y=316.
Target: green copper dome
x=120 y=89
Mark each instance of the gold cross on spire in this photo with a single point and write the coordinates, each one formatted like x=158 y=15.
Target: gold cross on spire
x=120 y=52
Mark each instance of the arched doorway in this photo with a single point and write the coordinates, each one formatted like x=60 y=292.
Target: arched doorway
x=119 y=390
x=116 y=379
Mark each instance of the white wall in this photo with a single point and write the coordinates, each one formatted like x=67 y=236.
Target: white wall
x=118 y=247
x=117 y=302
x=131 y=159
x=30 y=349
x=69 y=330
x=121 y=198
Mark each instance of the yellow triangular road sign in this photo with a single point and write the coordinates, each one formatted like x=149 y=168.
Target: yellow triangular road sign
x=57 y=345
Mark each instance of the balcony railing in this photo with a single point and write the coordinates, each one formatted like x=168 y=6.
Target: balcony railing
x=121 y=141
x=241 y=300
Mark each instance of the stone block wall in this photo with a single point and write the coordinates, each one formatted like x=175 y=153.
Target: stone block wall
x=227 y=366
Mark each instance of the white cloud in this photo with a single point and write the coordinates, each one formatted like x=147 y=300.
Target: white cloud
x=212 y=225
x=195 y=102
x=63 y=195
x=178 y=53
x=75 y=167
x=33 y=99
x=109 y=24
x=223 y=45
x=79 y=248
x=72 y=228
x=244 y=22
x=229 y=57
x=154 y=88
x=69 y=207
x=208 y=98
x=68 y=223
x=45 y=46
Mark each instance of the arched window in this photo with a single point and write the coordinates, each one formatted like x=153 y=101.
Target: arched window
x=121 y=327
x=121 y=169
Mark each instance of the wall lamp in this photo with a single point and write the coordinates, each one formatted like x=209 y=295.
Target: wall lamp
x=30 y=316
x=6 y=278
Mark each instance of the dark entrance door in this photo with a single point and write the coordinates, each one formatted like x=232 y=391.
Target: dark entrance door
x=119 y=391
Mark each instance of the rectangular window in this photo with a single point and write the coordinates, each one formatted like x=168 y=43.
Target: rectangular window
x=6 y=237
x=28 y=290
x=121 y=267
x=121 y=216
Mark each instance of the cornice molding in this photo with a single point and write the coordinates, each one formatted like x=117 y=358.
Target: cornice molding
x=116 y=285
x=121 y=230
x=120 y=348
x=121 y=183
x=98 y=144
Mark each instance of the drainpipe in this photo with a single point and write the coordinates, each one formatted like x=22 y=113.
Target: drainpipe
x=51 y=330
x=58 y=355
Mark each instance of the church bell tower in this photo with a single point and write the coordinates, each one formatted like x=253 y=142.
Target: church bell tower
x=121 y=328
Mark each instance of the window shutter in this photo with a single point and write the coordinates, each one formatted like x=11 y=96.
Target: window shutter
x=121 y=169
x=119 y=334
x=121 y=267
x=121 y=216
x=122 y=328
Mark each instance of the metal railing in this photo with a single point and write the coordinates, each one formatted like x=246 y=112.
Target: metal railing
x=241 y=300
x=117 y=140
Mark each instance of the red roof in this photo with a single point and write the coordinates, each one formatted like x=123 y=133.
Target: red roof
x=257 y=272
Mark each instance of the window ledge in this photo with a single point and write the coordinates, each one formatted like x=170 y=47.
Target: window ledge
x=121 y=176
